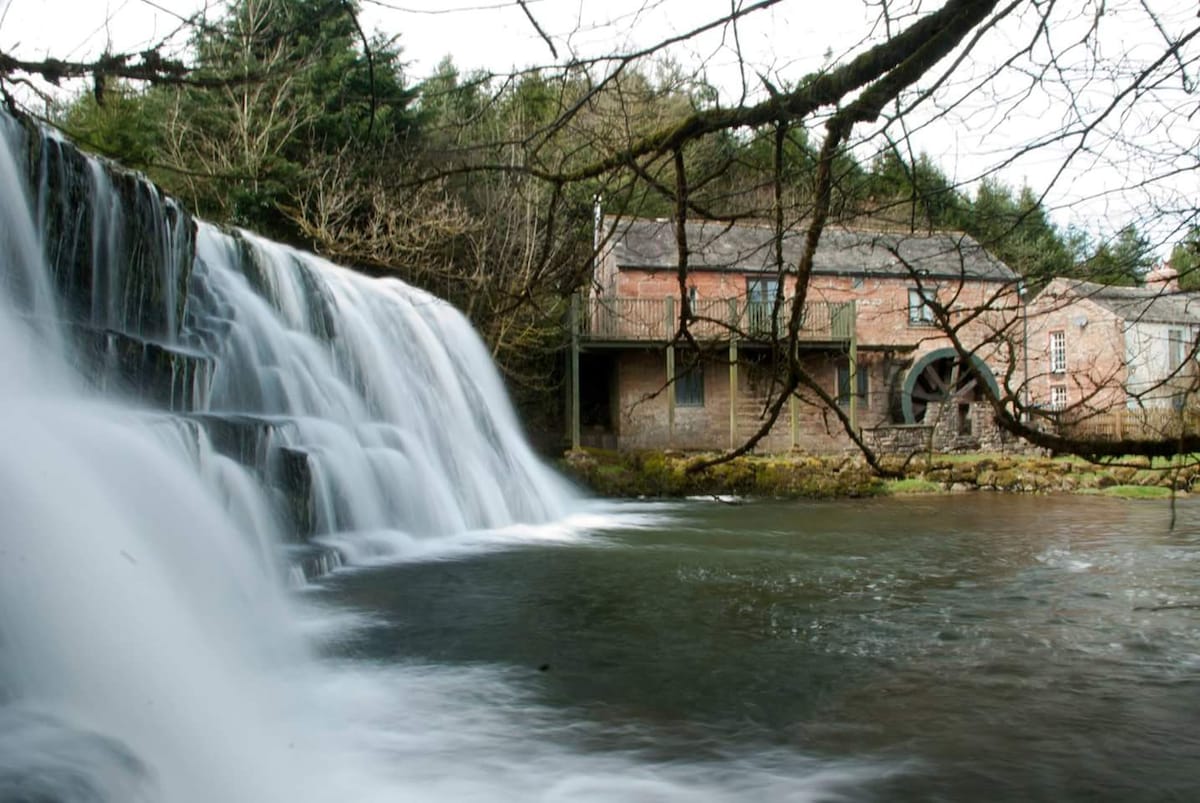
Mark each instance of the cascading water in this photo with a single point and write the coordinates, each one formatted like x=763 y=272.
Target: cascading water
x=176 y=402
x=387 y=392
x=366 y=406
x=144 y=640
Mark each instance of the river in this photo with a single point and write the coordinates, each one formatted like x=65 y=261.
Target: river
x=931 y=648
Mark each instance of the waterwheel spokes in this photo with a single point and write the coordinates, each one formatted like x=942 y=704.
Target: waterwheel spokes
x=933 y=379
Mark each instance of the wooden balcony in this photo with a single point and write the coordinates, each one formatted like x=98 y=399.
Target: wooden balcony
x=624 y=321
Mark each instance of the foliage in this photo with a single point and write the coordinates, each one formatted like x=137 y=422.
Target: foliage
x=285 y=92
x=1185 y=258
x=126 y=127
x=915 y=192
x=1122 y=260
x=1018 y=232
x=481 y=187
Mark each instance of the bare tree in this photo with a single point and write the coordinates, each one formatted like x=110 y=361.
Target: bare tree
x=1087 y=100
x=971 y=62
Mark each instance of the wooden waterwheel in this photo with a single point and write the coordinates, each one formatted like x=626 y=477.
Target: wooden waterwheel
x=939 y=378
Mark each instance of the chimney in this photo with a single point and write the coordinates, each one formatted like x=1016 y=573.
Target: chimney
x=1163 y=278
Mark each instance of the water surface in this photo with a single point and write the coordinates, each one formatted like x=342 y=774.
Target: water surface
x=936 y=648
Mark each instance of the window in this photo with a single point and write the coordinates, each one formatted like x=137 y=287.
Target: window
x=761 y=291
x=1176 y=349
x=1058 y=352
x=843 y=384
x=689 y=386
x=760 y=295
x=919 y=311
x=1058 y=397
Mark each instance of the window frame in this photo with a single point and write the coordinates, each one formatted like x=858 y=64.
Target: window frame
x=762 y=289
x=920 y=313
x=1058 y=397
x=689 y=386
x=760 y=300
x=841 y=389
x=1057 y=346
x=1176 y=349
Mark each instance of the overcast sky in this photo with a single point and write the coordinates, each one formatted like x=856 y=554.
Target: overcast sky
x=785 y=42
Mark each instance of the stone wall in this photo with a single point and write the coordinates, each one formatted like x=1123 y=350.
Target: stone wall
x=898 y=439
x=948 y=429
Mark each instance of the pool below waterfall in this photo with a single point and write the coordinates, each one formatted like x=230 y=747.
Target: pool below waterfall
x=934 y=648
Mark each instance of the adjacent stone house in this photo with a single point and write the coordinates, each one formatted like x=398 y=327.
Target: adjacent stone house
x=1096 y=349
x=869 y=337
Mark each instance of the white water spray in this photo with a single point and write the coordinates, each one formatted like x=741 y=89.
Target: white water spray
x=145 y=645
x=148 y=650
x=388 y=391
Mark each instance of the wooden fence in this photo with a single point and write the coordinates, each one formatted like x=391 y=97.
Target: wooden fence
x=1138 y=424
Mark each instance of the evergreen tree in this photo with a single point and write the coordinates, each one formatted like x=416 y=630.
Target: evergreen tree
x=1185 y=258
x=1122 y=260
x=917 y=194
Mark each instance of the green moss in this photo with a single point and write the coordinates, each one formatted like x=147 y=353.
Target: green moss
x=1137 y=491
x=675 y=474
x=912 y=485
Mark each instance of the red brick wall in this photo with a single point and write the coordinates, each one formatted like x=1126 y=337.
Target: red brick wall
x=881 y=303
x=1095 y=347
x=643 y=402
x=884 y=333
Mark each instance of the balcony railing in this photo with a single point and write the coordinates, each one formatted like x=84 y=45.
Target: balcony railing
x=657 y=319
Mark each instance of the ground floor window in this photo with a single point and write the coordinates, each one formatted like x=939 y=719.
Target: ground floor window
x=1058 y=397
x=843 y=384
x=689 y=385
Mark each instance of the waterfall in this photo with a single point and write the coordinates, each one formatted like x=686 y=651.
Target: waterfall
x=176 y=402
x=388 y=392
x=180 y=408
x=360 y=405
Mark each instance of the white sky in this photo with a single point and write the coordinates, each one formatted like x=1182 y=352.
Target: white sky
x=784 y=42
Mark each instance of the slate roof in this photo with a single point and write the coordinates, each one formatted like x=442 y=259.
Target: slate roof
x=1145 y=304
x=650 y=244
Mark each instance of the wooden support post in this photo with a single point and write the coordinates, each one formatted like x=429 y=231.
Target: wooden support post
x=733 y=377
x=793 y=418
x=575 y=415
x=670 y=320
x=853 y=365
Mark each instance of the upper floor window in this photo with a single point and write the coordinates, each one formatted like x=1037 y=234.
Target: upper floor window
x=761 y=290
x=1058 y=352
x=760 y=295
x=1176 y=349
x=919 y=309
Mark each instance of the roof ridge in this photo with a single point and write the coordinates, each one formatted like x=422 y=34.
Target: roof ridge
x=870 y=227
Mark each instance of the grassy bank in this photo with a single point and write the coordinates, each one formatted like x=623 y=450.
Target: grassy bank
x=670 y=474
